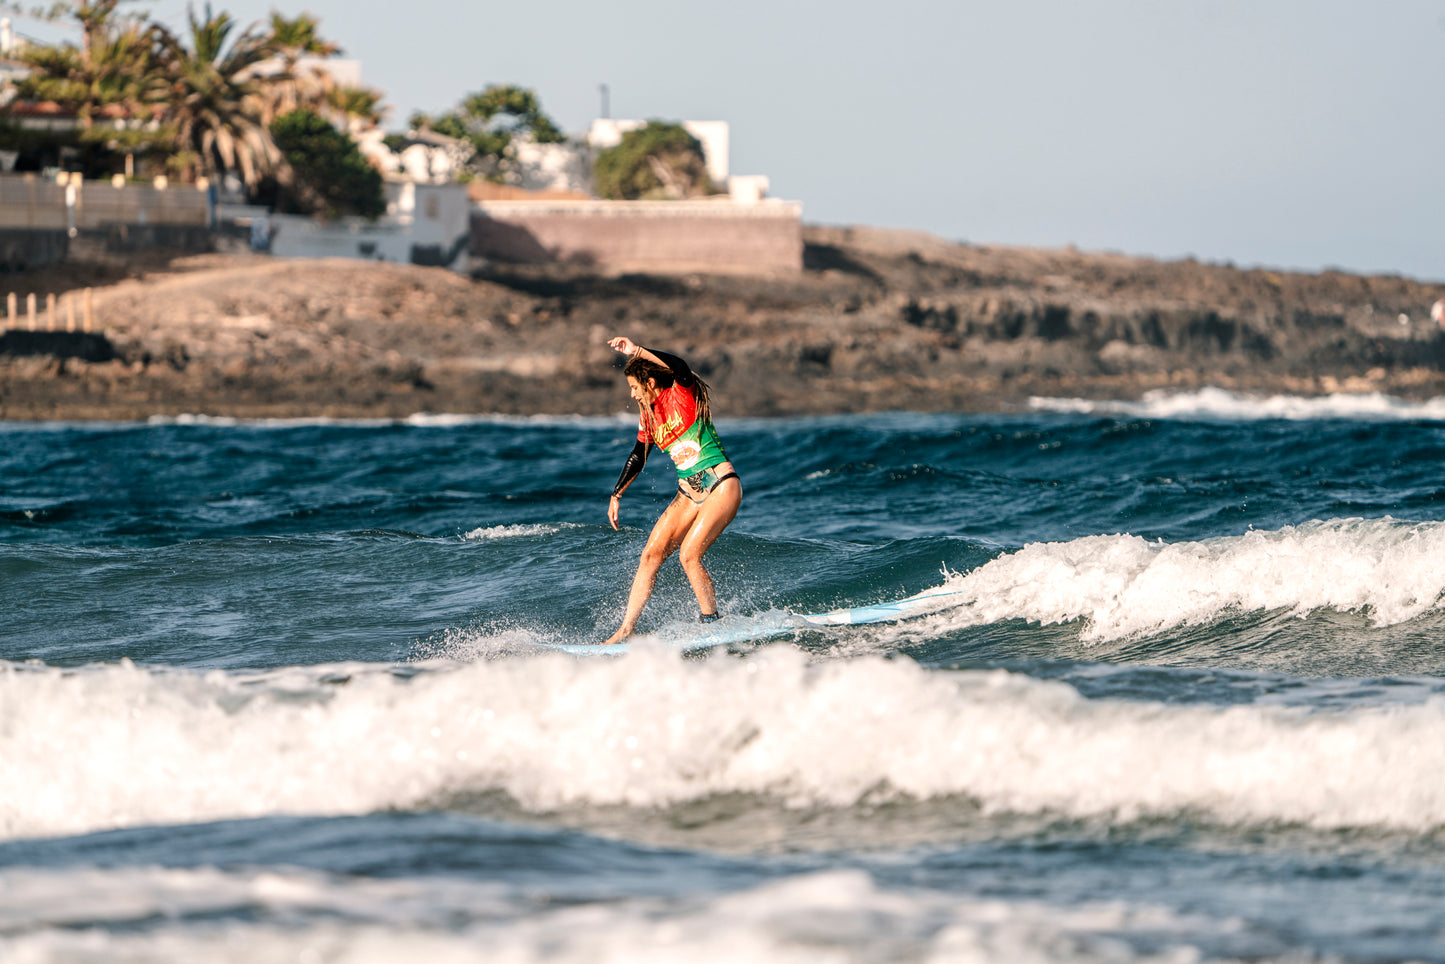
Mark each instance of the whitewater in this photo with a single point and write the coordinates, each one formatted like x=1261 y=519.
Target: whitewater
x=286 y=690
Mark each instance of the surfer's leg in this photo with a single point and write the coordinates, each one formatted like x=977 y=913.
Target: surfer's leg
x=712 y=518
x=666 y=536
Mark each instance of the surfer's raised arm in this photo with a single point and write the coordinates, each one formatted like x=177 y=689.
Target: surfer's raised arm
x=671 y=362
x=676 y=416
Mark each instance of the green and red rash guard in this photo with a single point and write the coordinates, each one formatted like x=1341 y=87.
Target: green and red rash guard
x=690 y=442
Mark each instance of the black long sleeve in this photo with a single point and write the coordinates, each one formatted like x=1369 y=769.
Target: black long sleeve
x=631 y=467
x=677 y=366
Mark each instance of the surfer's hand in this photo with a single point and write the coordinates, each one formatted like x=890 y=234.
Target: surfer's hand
x=624 y=344
x=613 y=504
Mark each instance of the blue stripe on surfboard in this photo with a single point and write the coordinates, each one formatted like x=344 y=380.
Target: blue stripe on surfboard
x=928 y=601
x=753 y=630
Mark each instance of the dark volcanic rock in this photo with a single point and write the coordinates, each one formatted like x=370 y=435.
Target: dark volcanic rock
x=877 y=320
x=84 y=345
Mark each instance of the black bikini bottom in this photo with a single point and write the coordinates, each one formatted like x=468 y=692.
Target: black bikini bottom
x=704 y=481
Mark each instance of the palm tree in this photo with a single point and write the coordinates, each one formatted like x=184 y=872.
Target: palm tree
x=360 y=107
x=299 y=38
x=215 y=99
x=209 y=97
x=111 y=81
x=290 y=84
x=114 y=72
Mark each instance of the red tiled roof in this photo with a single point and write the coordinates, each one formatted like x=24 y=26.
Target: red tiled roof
x=49 y=108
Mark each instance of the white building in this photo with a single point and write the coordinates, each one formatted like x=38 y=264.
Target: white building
x=553 y=167
x=428 y=224
x=425 y=158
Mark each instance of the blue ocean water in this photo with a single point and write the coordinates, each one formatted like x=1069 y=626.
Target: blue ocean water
x=282 y=692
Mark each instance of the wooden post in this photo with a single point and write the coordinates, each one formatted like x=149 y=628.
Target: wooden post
x=89 y=312
x=70 y=311
x=30 y=309
x=11 y=310
x=50 y=311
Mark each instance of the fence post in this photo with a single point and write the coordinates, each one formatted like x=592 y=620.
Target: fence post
x=30 y=309
x=50 y=311
x=10 y=310
x=89 y=311
x=70 y=311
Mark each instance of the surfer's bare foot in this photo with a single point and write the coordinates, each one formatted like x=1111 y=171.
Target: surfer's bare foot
x=616 y=637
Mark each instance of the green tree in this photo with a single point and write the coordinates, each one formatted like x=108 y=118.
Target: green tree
x=206 y=98
x=338 y=179
x=115 y=70
x=215 y=99
x=660 y=161
x=112 y=81
x=490 y=121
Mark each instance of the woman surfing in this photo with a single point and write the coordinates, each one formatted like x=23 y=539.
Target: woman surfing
x=676 y=417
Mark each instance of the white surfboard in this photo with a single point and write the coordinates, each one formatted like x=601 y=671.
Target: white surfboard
x=928 y=601
x=754 y=629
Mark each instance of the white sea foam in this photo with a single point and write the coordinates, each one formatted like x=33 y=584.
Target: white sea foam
x=119 y=746
x=231 y=421
x=1123 y=585
x=429 y=420
x=1221 y=404
x=488 y=533
x=209 y=915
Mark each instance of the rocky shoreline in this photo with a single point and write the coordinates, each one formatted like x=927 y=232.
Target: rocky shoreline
x=879 y=320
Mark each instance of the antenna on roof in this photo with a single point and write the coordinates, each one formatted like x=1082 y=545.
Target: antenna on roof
x=606 y=108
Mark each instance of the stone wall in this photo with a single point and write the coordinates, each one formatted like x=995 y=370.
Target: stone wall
x=643 y=236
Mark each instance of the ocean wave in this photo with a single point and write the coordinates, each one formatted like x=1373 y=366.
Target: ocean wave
x=1220 y=404
x=263 y=916
x=116 y=746
x=1123 y=585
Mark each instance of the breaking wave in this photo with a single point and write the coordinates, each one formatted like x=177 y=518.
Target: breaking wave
x=118 y=745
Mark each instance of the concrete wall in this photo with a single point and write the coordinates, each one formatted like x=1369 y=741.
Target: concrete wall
x=29 y=201
x=122 y=236
x=100 y=204
x=662 y=236
x=22 y=248
x=40 y=216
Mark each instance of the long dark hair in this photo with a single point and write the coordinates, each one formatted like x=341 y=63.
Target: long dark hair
x=642 y=370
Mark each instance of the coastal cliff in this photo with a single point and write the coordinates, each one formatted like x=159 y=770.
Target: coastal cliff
x=878 y=320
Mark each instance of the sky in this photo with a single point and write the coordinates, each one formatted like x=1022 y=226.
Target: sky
x=1297 y=134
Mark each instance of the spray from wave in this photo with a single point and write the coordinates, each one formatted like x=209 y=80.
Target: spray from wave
x=1221 y=404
